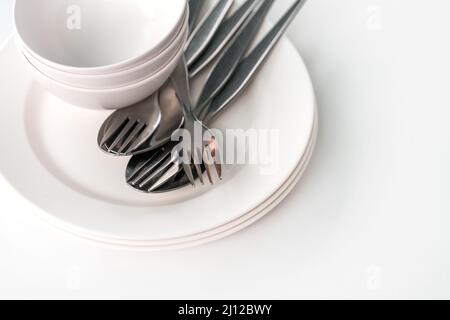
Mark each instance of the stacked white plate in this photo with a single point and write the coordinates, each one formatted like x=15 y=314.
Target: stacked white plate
x=54 y=161
x=101 y=54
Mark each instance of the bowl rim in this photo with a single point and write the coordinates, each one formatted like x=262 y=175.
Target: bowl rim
x=180 y=41
x=110 y=68
x=127 y=87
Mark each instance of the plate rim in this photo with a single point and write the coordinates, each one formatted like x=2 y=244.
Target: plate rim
x=60 y=221
x=247 y=219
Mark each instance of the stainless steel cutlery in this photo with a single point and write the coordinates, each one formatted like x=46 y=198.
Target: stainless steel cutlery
x=250 y=64
x=216 y=78
x=112 y=127
x=195 y=7
x=147 y=173
x=223 y=35
x=230 y=58
x=192 y=154
x=145 y=129
x=206 y=29
x=129 y=128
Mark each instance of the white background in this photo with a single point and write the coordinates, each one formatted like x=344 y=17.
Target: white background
x=371 y=217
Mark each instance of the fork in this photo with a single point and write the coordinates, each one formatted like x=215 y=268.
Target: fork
x=143 y=170
x=169 y=159
x=195 y=6
x=118 y=135
x=196 y=150
x=224 y=34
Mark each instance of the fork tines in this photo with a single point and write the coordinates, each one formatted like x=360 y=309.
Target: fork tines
x=124 y=137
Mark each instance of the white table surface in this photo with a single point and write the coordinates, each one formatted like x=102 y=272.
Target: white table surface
x=371 y=217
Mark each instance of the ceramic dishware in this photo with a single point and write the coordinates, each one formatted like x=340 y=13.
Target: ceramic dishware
x=115 y=79
x=114 y=98
x=97 y=37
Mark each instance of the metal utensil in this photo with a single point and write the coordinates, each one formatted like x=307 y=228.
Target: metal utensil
x=128 y=128
x=224 y=34
x=230 y=58
x=206 y=151
x=225 y=66
x=250 y=64
x=205 y=30
x=195 y=7
x=168 y=160
x=125 y=130
x=140 y=172
x=170 y=118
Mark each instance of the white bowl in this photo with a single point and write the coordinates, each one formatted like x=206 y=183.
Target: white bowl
x=97 y=37
x=112 y=80
x=116 y=98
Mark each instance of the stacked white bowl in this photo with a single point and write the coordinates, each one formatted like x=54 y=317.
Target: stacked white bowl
x=101 y=54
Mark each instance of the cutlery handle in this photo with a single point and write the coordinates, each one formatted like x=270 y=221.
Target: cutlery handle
x=248 y=66
x=225 y=32
x=229 y=60
x=205 y=31
x=180 y=82
x=195 y=7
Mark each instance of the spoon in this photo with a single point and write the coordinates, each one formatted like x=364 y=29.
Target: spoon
x=113 y=129
x=145 y=164
x=223 y=35
x=220 y=73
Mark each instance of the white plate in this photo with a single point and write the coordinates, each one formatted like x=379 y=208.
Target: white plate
x=224 y=230
x=54 y=161
x=112 y=98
